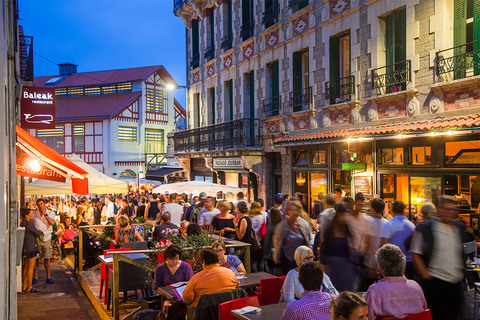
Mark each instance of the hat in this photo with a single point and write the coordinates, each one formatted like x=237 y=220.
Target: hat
x=203 y=195
x=279 y=198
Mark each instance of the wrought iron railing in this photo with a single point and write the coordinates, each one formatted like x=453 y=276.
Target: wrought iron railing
x=393 y=77
x=195 y=61
x=341 y=90
x=459 y=60
x=154 y=160
x=296 y=5
x=300 y=99
x=246 y=30
x=270 y=15
x=177 y=4
x=26 y=57
x=209 y=52
x=241 y=133
x=227 y=42
x=271 y=106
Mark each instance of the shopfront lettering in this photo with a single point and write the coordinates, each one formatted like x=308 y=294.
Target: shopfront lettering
x=227 y=163
x=35 y=95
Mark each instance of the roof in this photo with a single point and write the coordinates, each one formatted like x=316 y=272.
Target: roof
x=102 y=106
x=106 y=77
x=437 y=124
x=179 y=107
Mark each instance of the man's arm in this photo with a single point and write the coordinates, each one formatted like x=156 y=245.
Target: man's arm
x=188 y=295
x=49 y=220
x=421 y=267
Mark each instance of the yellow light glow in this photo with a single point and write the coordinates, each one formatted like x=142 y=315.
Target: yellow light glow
x=170 y=86
x=433 y=134
x=35 y=165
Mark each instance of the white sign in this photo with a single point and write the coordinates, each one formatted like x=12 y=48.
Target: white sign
x=228 y=163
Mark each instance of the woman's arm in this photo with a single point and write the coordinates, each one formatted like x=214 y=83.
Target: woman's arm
x=288 y=288
x=137 y=234
x=35 y=231
x=147 y=207
x=240 y=229
x=241 y=269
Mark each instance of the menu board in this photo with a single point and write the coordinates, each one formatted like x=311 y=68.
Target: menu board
x=363 y=184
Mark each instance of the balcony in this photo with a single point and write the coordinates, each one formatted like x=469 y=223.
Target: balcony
x=270 y=16
x=177 y=4
x=392 y=77
x=459 y=62
x=195 y=61
x=209 y=53
x=271 y=106
x=300 y=100
x=341 y=90
x=235 y=134
x=154 y=160
x=246 y=30
x=227 y=42
x=25 y=44
x=296 y=5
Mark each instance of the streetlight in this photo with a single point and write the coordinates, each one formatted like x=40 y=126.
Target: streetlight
x=171 y=86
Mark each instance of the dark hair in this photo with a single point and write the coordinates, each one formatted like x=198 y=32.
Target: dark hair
x=173 y=196
x=348 y=202
x=209 y=256
x=262 y=203
x=154 y=196
x=330 y=199
x=275 y=216
x=338 y=189
x=172 y=251
x=240 y=195
x=345 y=304
x=24 y=212
x=143 y=199
x=359 y=197
x=40 y=200
x=378 y=205
x=193 y=229
x=125 y=200
x=165 y=217
x=242 y=207
x=310 y=276
x=278 y=199
x=398 y=207
x=340 y=207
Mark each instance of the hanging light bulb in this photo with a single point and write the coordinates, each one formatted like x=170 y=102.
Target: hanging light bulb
x=300 y=179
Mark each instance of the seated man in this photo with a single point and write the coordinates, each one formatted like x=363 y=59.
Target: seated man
x=394 y=295
x=212 y=279
x=165 y=223
x=314 y=303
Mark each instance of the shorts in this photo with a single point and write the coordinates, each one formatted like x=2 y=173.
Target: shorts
x=45 y=248
x=31 y=254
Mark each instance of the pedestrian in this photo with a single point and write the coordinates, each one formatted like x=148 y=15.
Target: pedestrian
x=44 y=220
x=152 y=208
x=30 y=249
x=140 y=211
x=207 y=214
x=175 y=210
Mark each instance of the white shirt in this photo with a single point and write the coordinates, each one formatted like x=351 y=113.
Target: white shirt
x=324 y=219
x=375 y=230
x=176 y=212
x=359 y=228
x=42 y=224
x=207 y=216
x=110 y=210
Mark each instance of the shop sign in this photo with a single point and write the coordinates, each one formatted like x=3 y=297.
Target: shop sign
x=363 y=185
x=228 y=163
x=38 y=108
x=40 y=171
x=354 y=166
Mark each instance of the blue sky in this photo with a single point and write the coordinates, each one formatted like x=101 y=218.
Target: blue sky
x=105 y=34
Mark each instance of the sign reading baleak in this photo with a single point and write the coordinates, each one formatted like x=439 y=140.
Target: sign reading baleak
x=38 y=108
x=228 y=163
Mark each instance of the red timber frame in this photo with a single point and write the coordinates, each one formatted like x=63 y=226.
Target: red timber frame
x=130 y=112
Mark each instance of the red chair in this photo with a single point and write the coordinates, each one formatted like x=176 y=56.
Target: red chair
x=160 y=258
x=425 y=315
x=270 y=290
x=104 y=274
x=225 y=308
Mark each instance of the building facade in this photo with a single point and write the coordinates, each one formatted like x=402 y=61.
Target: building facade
x=376 y=96
x=117 y=120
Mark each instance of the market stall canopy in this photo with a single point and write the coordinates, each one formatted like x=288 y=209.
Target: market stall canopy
x=97 y=182
x=160 y=173
x=37 y=160
x=195 y=187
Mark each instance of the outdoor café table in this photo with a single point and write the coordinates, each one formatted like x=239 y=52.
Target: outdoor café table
x=108 y=258
x=229 y=243
x=252 y=280
x=270 y=311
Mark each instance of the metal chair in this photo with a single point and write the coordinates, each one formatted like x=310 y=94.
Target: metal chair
x=470 y=247
x=270 y=290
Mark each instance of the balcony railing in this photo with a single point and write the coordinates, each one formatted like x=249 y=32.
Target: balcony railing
x=209 y=52
x=195 y=61
x=227 y=42
x=154 y=160
x=296 y=5
x=246 y=30
x=462 y=60
x=235 y=134
x=177 y=4
x=300 y=99
x=26 y=57
x=270 y=15
x=341 y=90
x=271 y=106
x=393 y=77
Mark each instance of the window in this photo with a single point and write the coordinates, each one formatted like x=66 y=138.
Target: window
x=272 y=103
x=127 y=134
x=270 y=15
x=246 y=30
x=391 y=155
x=467 y=36
x=423 y=189
x=300 y=157
x=249 y=95
x=421 y=155
x=195 y=59
x=462 y=152
x=301 y=95
x=228 y=98
x=128 y=174
x=396 y=46
x=78 y=138
x=211 y=112
x=196 y=111
x=210 y=50
x=340 y=86
x=54 y=138
x=154 y=141
x=297 y=4
x=227 y=25
x=319 y=157
x=154 y=99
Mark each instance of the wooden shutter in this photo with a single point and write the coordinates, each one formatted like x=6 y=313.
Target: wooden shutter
x=230 y=97
x=212 y=27
x=476 y=36
x=460 y=33
x=334 y=68
x=297 y=71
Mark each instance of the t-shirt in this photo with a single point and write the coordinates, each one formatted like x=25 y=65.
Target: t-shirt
x=176 y=212
x=207 y=216
x=400 y=231
x=233 y=262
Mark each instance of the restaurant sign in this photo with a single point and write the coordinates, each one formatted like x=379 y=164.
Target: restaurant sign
x=25 y=168
x=228 y=163
x=38 y=108
x=354 y=166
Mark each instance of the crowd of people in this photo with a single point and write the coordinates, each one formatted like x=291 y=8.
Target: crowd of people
x=346 y=247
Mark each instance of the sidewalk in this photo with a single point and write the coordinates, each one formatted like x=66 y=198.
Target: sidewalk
x=62 y=300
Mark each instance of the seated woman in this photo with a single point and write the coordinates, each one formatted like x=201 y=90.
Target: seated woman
x=173 y=270
x=229 y=261
x=125 y=233
x=394 y=295
x=292 y=289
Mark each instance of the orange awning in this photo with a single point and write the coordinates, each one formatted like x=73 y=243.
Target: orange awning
x=37 y=160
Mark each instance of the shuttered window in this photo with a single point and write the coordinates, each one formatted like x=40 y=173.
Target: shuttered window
x=78 y=137
x=396 y=43
x=127 y=134
x=54 y=138
x=154 y=141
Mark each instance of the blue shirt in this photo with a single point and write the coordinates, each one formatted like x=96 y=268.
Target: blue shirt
x=400 y=231
x=234 y=263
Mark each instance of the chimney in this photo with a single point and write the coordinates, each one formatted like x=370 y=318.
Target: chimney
x=67 y=69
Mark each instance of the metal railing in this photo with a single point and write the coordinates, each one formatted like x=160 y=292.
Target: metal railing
x=459 y=60
x=25 y=47
x=271 y=14
x=393 y=77
x=301 y=99
x=177 y=4
x=246 y=30
x=209 y=52
x=341 y=90
x=271 y=106
x=154 y=160
x=227 y=42
x=195 y=61
x=296 y=5
x=240 y=133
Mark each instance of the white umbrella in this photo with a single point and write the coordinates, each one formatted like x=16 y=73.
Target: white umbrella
x=195 y=187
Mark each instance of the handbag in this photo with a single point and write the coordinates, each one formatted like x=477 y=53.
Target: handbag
x=263 y=231
x=256 y=246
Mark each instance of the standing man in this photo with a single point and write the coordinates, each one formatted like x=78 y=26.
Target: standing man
x=110 y=209
x=207 y=214
x=193 y=212
x=44 y=219
x=175 y=210
x=439 y=260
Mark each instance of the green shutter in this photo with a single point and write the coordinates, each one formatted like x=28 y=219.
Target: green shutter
x=230 y=97
x=198 y=111
x=230 y=17
x=460 y=32
x=245 y=11
x=212 y=27
x=275 y=86
x=401 y=41
x=390 y=46
x=195 y=37
x=334 y=68
x=213 y=105
x=476 y=36
x=297 y=80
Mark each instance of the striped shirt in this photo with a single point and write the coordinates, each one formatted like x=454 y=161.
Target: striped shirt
x=313 y=305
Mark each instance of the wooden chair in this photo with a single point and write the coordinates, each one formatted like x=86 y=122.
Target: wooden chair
x=225 y=308
x=104 y=274
x=425 y=315
x=270 y=290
